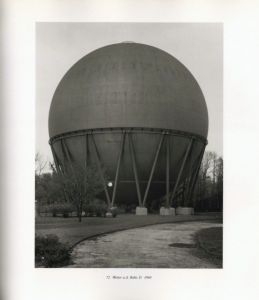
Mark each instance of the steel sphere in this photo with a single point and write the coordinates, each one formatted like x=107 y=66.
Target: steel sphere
x=128 y=85
x=131 y=104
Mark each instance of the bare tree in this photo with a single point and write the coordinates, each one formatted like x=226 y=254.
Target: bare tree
x=208 y=164
x=80 y=185
x=210 y=181
x=40 y=164
x=219 y=182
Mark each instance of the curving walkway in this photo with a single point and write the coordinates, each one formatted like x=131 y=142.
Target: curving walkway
x=147 y=247
x=71 y=232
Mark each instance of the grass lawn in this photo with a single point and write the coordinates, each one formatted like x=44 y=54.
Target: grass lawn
x=70 y=231
x=210 y=240
x=210 y=243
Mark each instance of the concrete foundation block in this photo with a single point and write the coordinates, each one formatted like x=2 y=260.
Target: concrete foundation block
x=185 y=211
x=164 y=211
x=141 y=211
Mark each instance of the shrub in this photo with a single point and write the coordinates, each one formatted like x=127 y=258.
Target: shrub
x=50 y=252
x=58 y=208
x=96 y=207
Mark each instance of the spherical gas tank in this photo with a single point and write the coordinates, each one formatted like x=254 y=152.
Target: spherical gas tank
x=130 y=92
x=128 y=85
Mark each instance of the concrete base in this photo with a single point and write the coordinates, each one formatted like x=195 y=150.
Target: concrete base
x=141 y=211
x=108 y=215
x=185 y=211
x=164 y=211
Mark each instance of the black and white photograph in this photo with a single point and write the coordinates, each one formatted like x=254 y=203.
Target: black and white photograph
x=129 y=145
x=129 y=150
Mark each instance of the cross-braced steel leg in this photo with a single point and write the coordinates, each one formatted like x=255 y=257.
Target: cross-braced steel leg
x=190 y=178
x=86 y=150
x=195 y=176
x=118 y=168
x=192 y=168
x=183 y=193
x=64 y=164
x=59 y=171
x=57 y=164
x=168 y=171
x=153 y=169
x=133 y=158
x=181 y=170
x=86 y=161
x=68 y=156
x=101 y=172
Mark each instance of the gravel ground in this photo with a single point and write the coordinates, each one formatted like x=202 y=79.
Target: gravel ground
x=72 y=232
x=158 y=246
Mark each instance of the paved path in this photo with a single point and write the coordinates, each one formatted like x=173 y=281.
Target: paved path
x=147 y=247
x=72 y=232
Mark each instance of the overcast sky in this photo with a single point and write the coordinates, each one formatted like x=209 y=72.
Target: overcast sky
x=199 y=46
